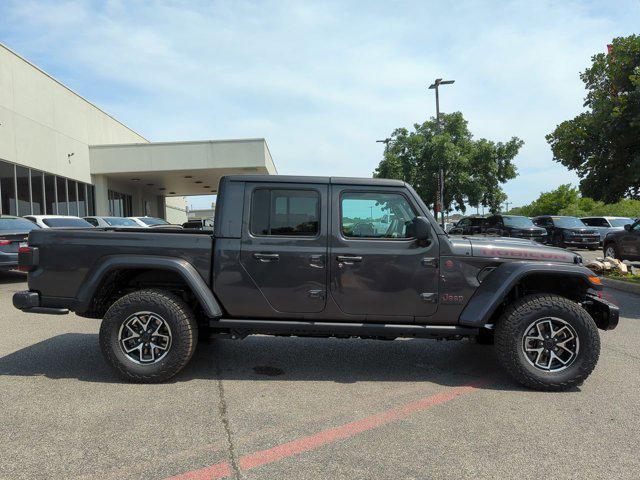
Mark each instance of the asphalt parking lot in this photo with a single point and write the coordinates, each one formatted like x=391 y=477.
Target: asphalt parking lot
x=307 y=408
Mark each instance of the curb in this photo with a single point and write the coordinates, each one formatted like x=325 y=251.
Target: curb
x=621 y=285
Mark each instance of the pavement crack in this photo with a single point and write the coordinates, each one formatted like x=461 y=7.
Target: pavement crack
x=222 y=410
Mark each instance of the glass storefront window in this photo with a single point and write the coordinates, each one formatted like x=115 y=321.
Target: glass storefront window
x=73 y=197
x=24 y=194
x=40 y=193
x=50 y=194
x=8 y=188
x=37 y=192
x=61 y=188
x=82 y=199
x=90 y=200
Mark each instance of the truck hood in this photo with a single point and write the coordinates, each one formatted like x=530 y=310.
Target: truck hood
x=517 y=249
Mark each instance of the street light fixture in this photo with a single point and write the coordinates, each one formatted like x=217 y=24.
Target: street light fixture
x=440 y=200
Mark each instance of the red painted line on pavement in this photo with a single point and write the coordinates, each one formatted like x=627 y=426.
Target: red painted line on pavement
x=312 y=442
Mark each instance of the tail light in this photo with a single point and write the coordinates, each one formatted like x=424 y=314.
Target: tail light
x=27 y=258
x=4 y=242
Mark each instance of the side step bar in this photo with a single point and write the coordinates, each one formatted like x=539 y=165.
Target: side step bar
x=241 y=328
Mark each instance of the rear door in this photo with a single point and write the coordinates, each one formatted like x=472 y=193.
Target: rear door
x=375 y=268
x=284 y=244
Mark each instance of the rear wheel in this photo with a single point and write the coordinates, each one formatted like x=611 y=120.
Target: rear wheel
x=148 y=336
x=547 y=342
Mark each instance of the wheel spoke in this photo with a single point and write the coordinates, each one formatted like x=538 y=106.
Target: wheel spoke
x=145 y=337
x=550 y=344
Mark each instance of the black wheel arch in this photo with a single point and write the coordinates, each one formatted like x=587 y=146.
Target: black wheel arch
x=114 y=276
x=513 y=280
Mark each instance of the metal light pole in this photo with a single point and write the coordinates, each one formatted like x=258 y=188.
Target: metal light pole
x=435 y=85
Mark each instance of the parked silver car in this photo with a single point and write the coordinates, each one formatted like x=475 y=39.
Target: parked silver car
x=606 y=225
x=112 y=222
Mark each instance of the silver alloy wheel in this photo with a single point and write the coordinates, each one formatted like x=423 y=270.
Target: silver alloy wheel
x=550 y=344
x=610 y=252
x=145 y=338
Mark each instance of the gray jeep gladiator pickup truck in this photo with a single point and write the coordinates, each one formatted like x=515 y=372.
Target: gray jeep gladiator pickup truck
x=323 y=257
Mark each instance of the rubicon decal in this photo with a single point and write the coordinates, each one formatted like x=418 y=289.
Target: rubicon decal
x=528 y=254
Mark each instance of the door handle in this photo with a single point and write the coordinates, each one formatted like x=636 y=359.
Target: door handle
x=348 y=259
x=266 y=257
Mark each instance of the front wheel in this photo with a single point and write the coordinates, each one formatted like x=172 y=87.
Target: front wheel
x=148 y=336
x=610 y=251
x=547 y=342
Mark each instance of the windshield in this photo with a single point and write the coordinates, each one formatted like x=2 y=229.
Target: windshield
x=16 y=225
x=120 y=222
x=518 y=222
x=153 y=221
x=620 y=222
x=66 y=222
x=568 y=222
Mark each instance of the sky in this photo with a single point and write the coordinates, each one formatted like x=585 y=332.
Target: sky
x=322 y=81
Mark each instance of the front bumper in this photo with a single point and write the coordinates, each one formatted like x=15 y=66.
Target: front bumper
x=604 y=313
x=579 y=243
x=29 y=301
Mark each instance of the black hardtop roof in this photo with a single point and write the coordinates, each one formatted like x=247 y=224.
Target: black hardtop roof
x=309 y=179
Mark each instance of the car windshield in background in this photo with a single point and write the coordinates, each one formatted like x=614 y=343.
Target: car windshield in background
x=620 y=222
x=568 y=222
x=153 y=221
x=66 y=223
x=120 y=222
x=518 y=222
x=16 y=225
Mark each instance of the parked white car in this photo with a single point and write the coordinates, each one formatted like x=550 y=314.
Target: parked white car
x=606 y=225
x=58 y=221
x=153 y=222
x=112 y=222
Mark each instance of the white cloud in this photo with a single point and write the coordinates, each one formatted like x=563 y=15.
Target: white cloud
x=323 y=80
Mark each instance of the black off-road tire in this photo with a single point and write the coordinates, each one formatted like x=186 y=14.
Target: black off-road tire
x=184 y=333
x=516 y=319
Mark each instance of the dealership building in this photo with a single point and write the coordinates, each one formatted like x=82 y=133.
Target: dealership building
x=60 y=154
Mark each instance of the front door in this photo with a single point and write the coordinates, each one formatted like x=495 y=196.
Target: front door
x=284 y=245
x=375 y=267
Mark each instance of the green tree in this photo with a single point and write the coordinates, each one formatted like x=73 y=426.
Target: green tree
x=474 y=170
x=551 y=203
x=602 y=145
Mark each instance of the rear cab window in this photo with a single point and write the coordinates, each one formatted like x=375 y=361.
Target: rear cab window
x=285 y=212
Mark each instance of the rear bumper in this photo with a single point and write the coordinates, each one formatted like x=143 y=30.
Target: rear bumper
x=604 y=313
x=29 y=301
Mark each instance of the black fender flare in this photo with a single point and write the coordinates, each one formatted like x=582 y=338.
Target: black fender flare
x=495 y=287
x=180 y=266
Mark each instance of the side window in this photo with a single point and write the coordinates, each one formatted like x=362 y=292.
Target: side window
x=285 y=212
x=92 y=221
x=590 y=222
x=375 y=215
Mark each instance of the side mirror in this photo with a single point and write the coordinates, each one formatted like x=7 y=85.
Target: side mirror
x=420 y=229
x=627 y=227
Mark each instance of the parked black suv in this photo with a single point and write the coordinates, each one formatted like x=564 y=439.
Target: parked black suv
x=468 y=226
x=515 y=226
x=316 y=256
x=568 y=232
x=623 y=245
